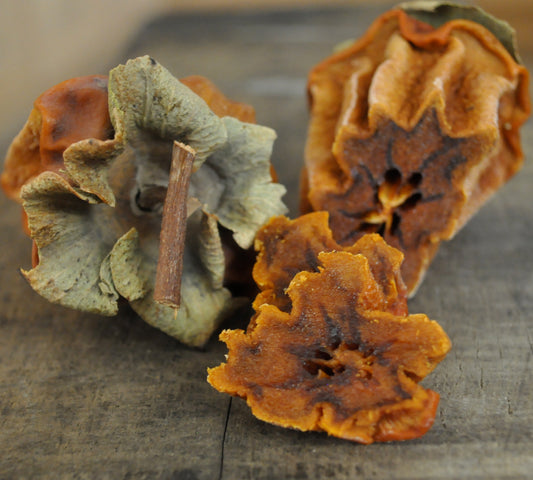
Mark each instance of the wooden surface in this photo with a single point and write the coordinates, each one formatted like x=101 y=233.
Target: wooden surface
x=83 y=396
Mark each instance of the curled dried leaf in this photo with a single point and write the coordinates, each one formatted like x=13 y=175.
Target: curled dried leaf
x=337 y=360
x=413 y=127
x=96 y=223
x=437 y=13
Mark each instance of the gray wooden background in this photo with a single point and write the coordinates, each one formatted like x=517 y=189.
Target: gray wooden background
x=85 y=397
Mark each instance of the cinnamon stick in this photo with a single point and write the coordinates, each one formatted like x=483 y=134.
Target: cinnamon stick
x=173 y=227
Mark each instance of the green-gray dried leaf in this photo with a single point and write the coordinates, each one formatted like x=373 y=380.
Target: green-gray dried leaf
x=72 y=247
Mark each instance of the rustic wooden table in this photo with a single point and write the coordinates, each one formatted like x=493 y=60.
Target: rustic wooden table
x=83 y=396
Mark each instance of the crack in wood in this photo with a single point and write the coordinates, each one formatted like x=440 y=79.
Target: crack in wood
x=224 y=440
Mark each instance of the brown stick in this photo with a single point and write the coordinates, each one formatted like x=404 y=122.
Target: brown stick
x=173 y=228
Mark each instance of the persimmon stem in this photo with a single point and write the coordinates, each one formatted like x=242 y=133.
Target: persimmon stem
x=173 y=228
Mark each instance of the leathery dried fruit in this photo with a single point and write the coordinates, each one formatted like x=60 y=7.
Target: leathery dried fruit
x=338 y=357
x=93 y=183
x=413 y=127
x=286 y=247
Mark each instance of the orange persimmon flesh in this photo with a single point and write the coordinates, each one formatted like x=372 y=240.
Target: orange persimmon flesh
x=337 y=358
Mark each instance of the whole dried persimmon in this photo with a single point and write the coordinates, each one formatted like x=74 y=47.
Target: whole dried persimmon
x=142 y=187
x=413 y=127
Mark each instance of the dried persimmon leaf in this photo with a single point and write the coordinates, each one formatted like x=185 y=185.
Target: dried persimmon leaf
x=413 y=128
x=87 y=164
x=71 y=249
x=148 y=108
x=205 y=302
x=202 y=306
x=249 y=198
x=436 y=13
x=208 y=247
x=334 y=364
x=125 y=263
x=119 y=185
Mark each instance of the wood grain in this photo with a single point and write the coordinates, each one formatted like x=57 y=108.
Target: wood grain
x=83 y=396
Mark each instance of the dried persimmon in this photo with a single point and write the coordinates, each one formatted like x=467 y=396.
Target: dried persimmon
x=92 y=168
x=286 y=247
x=413 y=127
x=336 y=358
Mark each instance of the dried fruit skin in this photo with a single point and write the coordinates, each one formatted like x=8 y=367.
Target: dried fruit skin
x=217 y=101
x=73 y=110
x=412 y=129
x=335 y=358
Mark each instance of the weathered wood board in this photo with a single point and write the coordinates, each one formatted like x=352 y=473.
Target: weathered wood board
x=83 y=396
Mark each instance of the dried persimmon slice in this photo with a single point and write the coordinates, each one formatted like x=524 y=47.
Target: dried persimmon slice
x=286 y=247
x=332 y=363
